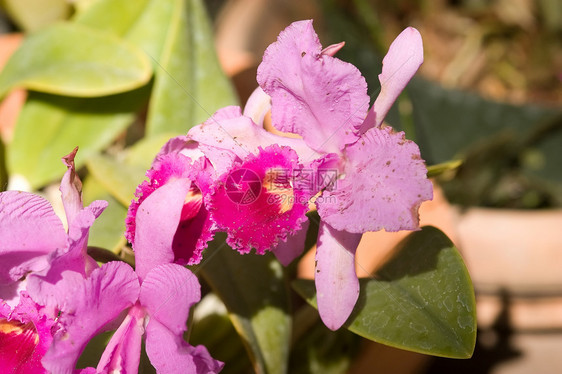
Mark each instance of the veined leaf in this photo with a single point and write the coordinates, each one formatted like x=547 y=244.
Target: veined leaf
x=50 y=126
x=75 y=60
x=189 y=85
x=422 y=300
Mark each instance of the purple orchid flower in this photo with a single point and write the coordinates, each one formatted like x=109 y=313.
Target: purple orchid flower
x=35 y=246
x=66 y=299
x=197 y=177
x=383 y=178
x=156 y=306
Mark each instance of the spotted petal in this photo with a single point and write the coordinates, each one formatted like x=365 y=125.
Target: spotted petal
x=255 y=202
x=385 y=183
x=315 y=95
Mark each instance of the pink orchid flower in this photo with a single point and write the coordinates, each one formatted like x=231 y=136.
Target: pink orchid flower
x=191 y=180
x=155 y=306
x=36 y=251
x=383 y=178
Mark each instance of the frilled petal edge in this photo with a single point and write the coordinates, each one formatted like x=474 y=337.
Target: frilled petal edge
x=385 y=183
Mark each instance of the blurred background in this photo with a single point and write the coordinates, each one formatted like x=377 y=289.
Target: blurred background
x=487 y=101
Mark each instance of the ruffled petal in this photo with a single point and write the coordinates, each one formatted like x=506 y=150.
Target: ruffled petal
x=402 y=61
x=315 y=95
x=385 y=183
x=25 y=336
x=122 y=353
x=337 y=286
x=228 y=137
x=74 y=259
x=30 y=230
x=193 y=230
x=170 y=354
x=86 y=306
x=167 y=293
x=256 y=202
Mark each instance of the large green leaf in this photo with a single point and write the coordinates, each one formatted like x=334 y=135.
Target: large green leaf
x=144 y=23
x=72 y=59
x=31 y=15
x=422 y=300
x=116 y=177
x=190 y=85
x=50 y=126
x=255 y=292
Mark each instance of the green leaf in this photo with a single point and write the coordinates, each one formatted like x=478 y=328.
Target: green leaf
x=318 y=350
x=50 y=126
x=116 y=177
x=144 y=23
x=75 y=60
x=142 y=153
x=422 y=300
x=31 y=15
x=107 y=230
x=189 y=85
x=254 y=290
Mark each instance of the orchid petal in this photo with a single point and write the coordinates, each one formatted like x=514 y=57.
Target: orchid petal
x=167 y=293
x=331 y=50
x=71 y=188
x=122 y=353
x=385 y=183
x=180 y=145
x=229 y=136
x=30 y=230
x=255 y=202
x=170 y=354
x=337 y=286
x=87 y=305
x=287 y=251
x=25 y=337
x=315 y=95
x=402 y=61
x=157 y=220
x=74 y=259
x=257 y=106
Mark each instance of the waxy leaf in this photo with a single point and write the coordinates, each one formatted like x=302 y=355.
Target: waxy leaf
x=75 y=60
x=50 y=126
x=189 y=85
x=422 y=300
x=116 y=177
x=254 y=290
x=144 y=23
x=31 y=15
